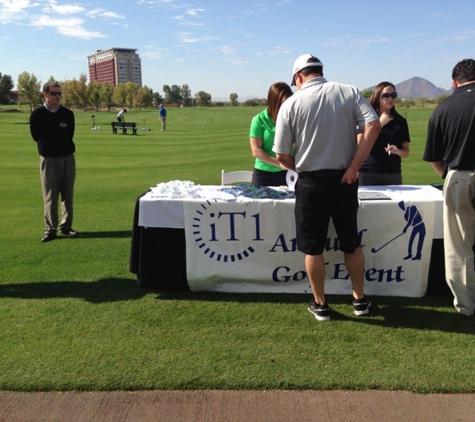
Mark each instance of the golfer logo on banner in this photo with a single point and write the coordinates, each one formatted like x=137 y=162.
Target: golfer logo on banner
x=418 y=232
x=250 y=245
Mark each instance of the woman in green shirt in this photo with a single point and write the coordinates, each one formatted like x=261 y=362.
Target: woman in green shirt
x=267 y=170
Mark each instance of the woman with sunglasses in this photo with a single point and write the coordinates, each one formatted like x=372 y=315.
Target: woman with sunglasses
x=383 y=165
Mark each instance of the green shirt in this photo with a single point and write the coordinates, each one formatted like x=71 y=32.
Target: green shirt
x=263 y=127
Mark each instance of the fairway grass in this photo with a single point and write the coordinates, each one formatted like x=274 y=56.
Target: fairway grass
x=73 y=317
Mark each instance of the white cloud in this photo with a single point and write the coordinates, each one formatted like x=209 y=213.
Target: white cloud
x=352 y=41
x=442 y=16
x=183 y=22
x=194 y=12
x=368 y=41
x=63 y=9
x=238 y=61
x=465 y=35
x=14 y=11
x=153 y=54
x=258 y=9
x=279 y=51
x=15 y=6
x=101 y=13
x=61 y=17
x=158 y=3
x=186 y=37
x=155 y=2
x=79 y=32
x=69 y=27
x=226 y=49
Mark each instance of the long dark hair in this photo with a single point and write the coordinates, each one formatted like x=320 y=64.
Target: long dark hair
x=278 y=93
x=376 y=95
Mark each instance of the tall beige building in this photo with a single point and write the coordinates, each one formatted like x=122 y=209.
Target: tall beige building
x=115 y=66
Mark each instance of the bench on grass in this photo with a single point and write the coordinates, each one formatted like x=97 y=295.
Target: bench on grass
x=124 y=126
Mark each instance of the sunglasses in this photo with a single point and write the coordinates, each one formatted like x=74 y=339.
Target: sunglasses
x=392 y=95
x=54 y=93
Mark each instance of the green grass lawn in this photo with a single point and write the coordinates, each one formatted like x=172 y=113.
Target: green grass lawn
x=73 y=318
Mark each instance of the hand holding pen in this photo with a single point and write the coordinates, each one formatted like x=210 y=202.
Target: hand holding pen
x=391 y=149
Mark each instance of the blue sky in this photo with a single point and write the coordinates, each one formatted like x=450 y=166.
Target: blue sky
x=224 y=47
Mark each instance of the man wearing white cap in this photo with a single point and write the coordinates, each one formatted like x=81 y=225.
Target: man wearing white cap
x=316 y=136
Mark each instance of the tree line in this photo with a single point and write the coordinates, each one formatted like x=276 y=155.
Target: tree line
x=6 y=85
x=86 y=95
x=80 y=93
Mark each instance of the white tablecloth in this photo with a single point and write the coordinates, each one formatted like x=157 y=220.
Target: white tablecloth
x=248 y=245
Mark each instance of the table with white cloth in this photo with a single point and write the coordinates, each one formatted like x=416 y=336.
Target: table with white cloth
x=214 y=241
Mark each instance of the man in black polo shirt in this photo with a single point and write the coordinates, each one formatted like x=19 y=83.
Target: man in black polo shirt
x=450 y=148
x=52 y=127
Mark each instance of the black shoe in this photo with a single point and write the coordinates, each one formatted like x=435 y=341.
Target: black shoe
x=70 y=233
x=321 y=312
x=361 y=306
x=48 y=236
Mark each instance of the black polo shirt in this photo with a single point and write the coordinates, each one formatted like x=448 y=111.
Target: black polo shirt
x=451 y=130
x=396 y=132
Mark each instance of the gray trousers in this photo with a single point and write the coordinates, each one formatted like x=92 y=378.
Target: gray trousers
x=459 y=237
x=58 y=175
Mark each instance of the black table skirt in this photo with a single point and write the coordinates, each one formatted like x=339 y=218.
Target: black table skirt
x=158 y=256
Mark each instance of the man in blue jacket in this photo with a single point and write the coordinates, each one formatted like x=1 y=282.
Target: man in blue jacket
x=163 y=117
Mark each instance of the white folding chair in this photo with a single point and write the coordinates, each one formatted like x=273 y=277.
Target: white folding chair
x=230 y=177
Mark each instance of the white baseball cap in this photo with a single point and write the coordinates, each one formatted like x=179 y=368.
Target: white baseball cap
x=302 y=62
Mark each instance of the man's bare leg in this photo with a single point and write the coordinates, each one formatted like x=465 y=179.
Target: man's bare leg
x=315 y=267
x=355 y=265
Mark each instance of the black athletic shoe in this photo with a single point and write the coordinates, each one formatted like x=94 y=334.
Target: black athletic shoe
x=321 y=312
x=70 y=233
x=48 y=237
x=361 y=306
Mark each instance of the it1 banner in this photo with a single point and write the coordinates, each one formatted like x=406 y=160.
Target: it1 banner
x=250 y=246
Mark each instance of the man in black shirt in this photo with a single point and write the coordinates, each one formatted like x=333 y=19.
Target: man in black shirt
x=450 y=148
x=52 y=128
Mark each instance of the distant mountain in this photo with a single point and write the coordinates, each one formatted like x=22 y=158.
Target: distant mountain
x=415 y=87
x=418 y=88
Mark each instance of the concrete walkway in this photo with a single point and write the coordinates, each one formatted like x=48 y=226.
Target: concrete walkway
x=234 y=406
